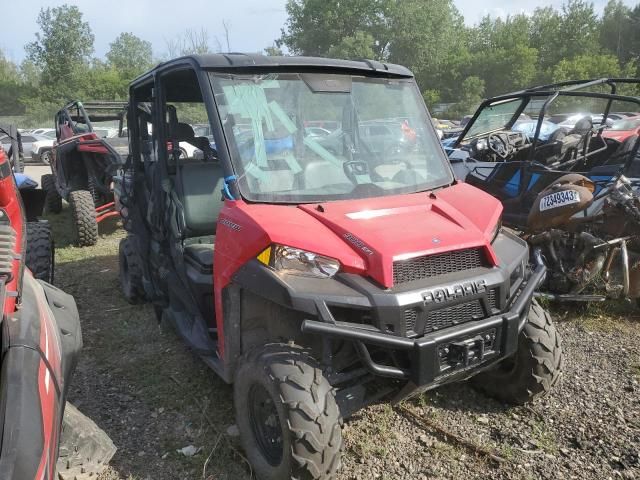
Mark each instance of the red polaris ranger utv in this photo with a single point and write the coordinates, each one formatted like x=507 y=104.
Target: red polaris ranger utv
x=41 y=340
x=321 y=271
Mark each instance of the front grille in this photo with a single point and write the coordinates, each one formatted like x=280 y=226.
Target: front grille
x=448 y=316
x=432 y=265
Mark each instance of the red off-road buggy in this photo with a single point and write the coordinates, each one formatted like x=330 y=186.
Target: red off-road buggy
x=316 y=280
x=41 y=340
x=83 y=162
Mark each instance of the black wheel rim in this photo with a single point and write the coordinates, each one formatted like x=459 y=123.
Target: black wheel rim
x=265 y=423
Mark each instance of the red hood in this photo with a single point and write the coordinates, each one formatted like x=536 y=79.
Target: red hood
x=368 y=235
x=384 y=230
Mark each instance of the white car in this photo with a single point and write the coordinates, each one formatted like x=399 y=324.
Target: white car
x=44 y=131
x=41 y=149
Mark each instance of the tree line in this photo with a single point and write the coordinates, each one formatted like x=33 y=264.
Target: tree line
x=454 y=63
x=460 y=65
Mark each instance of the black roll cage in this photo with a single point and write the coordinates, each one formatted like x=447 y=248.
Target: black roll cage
x=553 y=91
x=86 y=112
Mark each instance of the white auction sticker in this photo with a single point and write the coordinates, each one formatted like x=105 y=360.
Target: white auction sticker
x=559 y=199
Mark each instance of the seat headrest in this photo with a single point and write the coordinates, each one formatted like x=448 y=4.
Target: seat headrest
x=182 y=132
x=583 y=125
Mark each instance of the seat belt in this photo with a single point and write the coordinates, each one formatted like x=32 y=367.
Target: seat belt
x=175 y=212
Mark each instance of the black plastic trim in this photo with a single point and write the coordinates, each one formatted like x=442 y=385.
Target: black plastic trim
x=423 y=351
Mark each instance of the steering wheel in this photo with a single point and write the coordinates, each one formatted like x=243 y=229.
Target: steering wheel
x=498 y=145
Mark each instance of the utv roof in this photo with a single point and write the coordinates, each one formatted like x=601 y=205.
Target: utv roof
x=246 y=62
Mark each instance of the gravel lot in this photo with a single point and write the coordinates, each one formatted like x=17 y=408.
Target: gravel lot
x=153 y=397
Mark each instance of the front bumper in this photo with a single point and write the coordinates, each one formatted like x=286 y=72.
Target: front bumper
x=437 y=330
x=447 y=355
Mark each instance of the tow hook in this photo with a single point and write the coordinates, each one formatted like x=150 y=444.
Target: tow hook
x=467 y=352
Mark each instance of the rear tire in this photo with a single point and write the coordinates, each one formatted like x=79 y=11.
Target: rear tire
x=286 y=412
x=83 y=214
x=130 y=273
x=533 y=370
x=53 y=200
x=85 y=449
x=40 y=254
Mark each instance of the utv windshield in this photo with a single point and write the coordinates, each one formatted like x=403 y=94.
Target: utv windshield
x=299 y=138
x=495 y=117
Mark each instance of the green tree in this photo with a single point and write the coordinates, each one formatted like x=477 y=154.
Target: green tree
x=579 y=29
x=315 y=27
x=11 y=87
x=634 y=42
x=471 y=94
x=273 y=51
x=427 y=38
x=546 y=38
x=104 y=82
x=587 y=66
x=62 y=49
x=501 y=54
x=360 y=45
x=130 y=55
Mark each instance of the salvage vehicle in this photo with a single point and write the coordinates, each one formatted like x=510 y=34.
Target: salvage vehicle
x=590 y=241
x=83 y=162
x=41 y=340
x=567 y=193
x=320 y=282
x=515 y=166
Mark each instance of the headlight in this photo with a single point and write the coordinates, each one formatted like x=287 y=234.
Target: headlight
x=299 y=262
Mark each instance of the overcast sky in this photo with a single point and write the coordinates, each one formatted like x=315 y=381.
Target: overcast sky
x=253 y=24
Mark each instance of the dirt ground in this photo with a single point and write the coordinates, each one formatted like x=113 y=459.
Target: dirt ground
x=139 y=383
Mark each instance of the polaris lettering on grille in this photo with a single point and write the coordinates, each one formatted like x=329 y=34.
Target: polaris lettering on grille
x=446 y=294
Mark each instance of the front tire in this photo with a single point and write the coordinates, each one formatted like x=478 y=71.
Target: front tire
x=130 y=273
x=286 y=412
x=46 y=157
x=533 y=370
x=53 y=200
x=83 y=214
x=40 y=252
